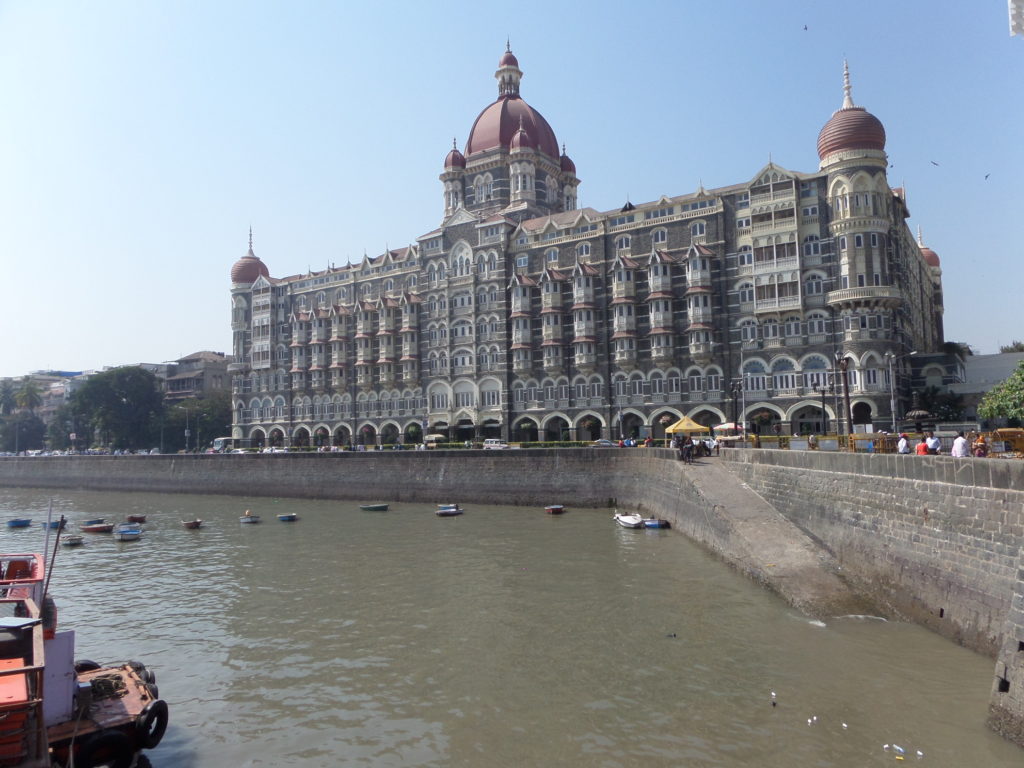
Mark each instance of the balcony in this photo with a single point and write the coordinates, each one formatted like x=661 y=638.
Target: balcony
x=552 y=333
x=877 y=295
x=774 y=305
x=624 y=290
x=584 y=328
x=777 y=265
x=551 y=301
x=661 y=319
x=521 y=336
x=659 y=283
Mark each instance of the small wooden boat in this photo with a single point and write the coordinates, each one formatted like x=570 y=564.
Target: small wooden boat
x=628 y=521
x=73 y=540
x=250 y=519
x=57 y=524
x=374 y=507
x=136 y=518
x=448 y=510
x=21 y=522
x=192 y=524
x=288 y=517
x=554 y=509
x=96 y=527
x=127 y=532
x=656 y=522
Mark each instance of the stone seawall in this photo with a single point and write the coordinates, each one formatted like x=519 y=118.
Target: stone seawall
x=938 y=539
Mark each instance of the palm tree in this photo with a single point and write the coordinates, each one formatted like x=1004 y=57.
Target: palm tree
x=28 y=396
x=8 y=400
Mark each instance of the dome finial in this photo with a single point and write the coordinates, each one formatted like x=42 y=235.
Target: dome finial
x=847 y=88
x=250 y=237
x=455 y=142
x=920 y=241
x=508 y=44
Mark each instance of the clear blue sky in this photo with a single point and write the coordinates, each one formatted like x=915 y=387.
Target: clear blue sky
x=140 y=140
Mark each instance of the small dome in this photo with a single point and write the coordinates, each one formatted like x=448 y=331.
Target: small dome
x=930 y=257
x=850 y=127
x=248 y=268
x=521 y=140
x=455 y=159
x=567 y=165
x=508 y=59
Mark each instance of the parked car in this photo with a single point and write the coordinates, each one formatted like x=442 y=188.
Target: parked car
x=494 y=444
x=602 y=443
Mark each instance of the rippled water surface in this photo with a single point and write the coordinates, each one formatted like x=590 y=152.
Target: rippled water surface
x=505 y=637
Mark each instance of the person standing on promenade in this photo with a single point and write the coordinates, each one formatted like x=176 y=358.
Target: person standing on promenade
x=960 y=449
x=903 y=446
x=922 y=447
x=934 y=444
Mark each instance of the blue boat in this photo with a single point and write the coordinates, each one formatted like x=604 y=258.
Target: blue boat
x=94 y=521
x=20 y=522
x=55 y=523
x=656 y=522
x=288 y=517
x=448 y=510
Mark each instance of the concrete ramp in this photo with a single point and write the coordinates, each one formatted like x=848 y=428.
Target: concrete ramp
x=734 y=521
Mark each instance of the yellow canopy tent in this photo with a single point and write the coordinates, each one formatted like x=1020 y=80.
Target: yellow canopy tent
x=686 y=425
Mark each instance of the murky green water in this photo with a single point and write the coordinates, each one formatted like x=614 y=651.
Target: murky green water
x=505 y=637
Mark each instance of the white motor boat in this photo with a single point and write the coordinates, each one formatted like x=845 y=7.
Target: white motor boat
x=629 y=521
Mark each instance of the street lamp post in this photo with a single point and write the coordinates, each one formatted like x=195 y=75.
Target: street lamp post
x=844 y=363
x=822 y=389
x=892 y=384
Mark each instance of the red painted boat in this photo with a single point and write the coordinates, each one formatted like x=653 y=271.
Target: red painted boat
x=53 y=709
x=96 y=527
x=555 y=509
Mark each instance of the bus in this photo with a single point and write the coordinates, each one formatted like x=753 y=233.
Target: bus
x=222 y=444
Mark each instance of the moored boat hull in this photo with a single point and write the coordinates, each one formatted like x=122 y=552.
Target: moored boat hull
x=192 y=525
x=288 y=517
x=629 y=521
x=374 y=507
x=19 y=523
x=554 y=509
x=97 y=528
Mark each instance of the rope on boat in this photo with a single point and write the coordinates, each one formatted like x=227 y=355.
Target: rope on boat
x=108 y=687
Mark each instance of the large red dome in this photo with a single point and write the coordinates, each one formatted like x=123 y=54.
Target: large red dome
x=498 y=123
x=248 y=268
x=931 y=258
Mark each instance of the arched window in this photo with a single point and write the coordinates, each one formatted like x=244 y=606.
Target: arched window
x=659 y=236
x=814 y=285
x=583 y=249
x=551 y=256
x=697 y=228
x=623 y=242
x=812 y=247
x=745 y=257
x=748 y=330
x=746 y=293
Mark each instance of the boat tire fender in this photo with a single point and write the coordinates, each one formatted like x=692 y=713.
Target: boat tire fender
x=153 y=690
x=85 y=665
x=109 y=748
x=152 y=723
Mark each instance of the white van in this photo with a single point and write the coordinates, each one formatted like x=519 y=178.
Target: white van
x=494 y=444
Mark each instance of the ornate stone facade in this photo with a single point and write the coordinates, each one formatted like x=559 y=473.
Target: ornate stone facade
x=527 y=318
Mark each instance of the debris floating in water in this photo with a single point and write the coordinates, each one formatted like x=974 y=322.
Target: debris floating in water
x=773 y=698
x=845 y=726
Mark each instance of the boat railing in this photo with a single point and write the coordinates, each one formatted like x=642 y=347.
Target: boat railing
x=21 y=576
x=22 y=722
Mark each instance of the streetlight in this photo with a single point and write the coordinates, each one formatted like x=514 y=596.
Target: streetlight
x=822 y=389
x=843 y=362
x=891 y=358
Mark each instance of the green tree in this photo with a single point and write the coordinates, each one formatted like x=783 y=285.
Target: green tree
x=205 y=418
x=945 y=406
x=124 y=404
x=1014 y=346
x=22 y=431
x=28 y=397
x=8 y=401
x=1006 y=399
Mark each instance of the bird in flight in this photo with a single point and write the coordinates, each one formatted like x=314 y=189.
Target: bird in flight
x=987 y=175
x=933 y=162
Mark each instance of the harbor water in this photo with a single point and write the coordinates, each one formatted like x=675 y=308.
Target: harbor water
x=504 y=637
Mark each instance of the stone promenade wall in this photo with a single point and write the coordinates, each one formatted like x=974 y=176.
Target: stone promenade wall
x=941 y=540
